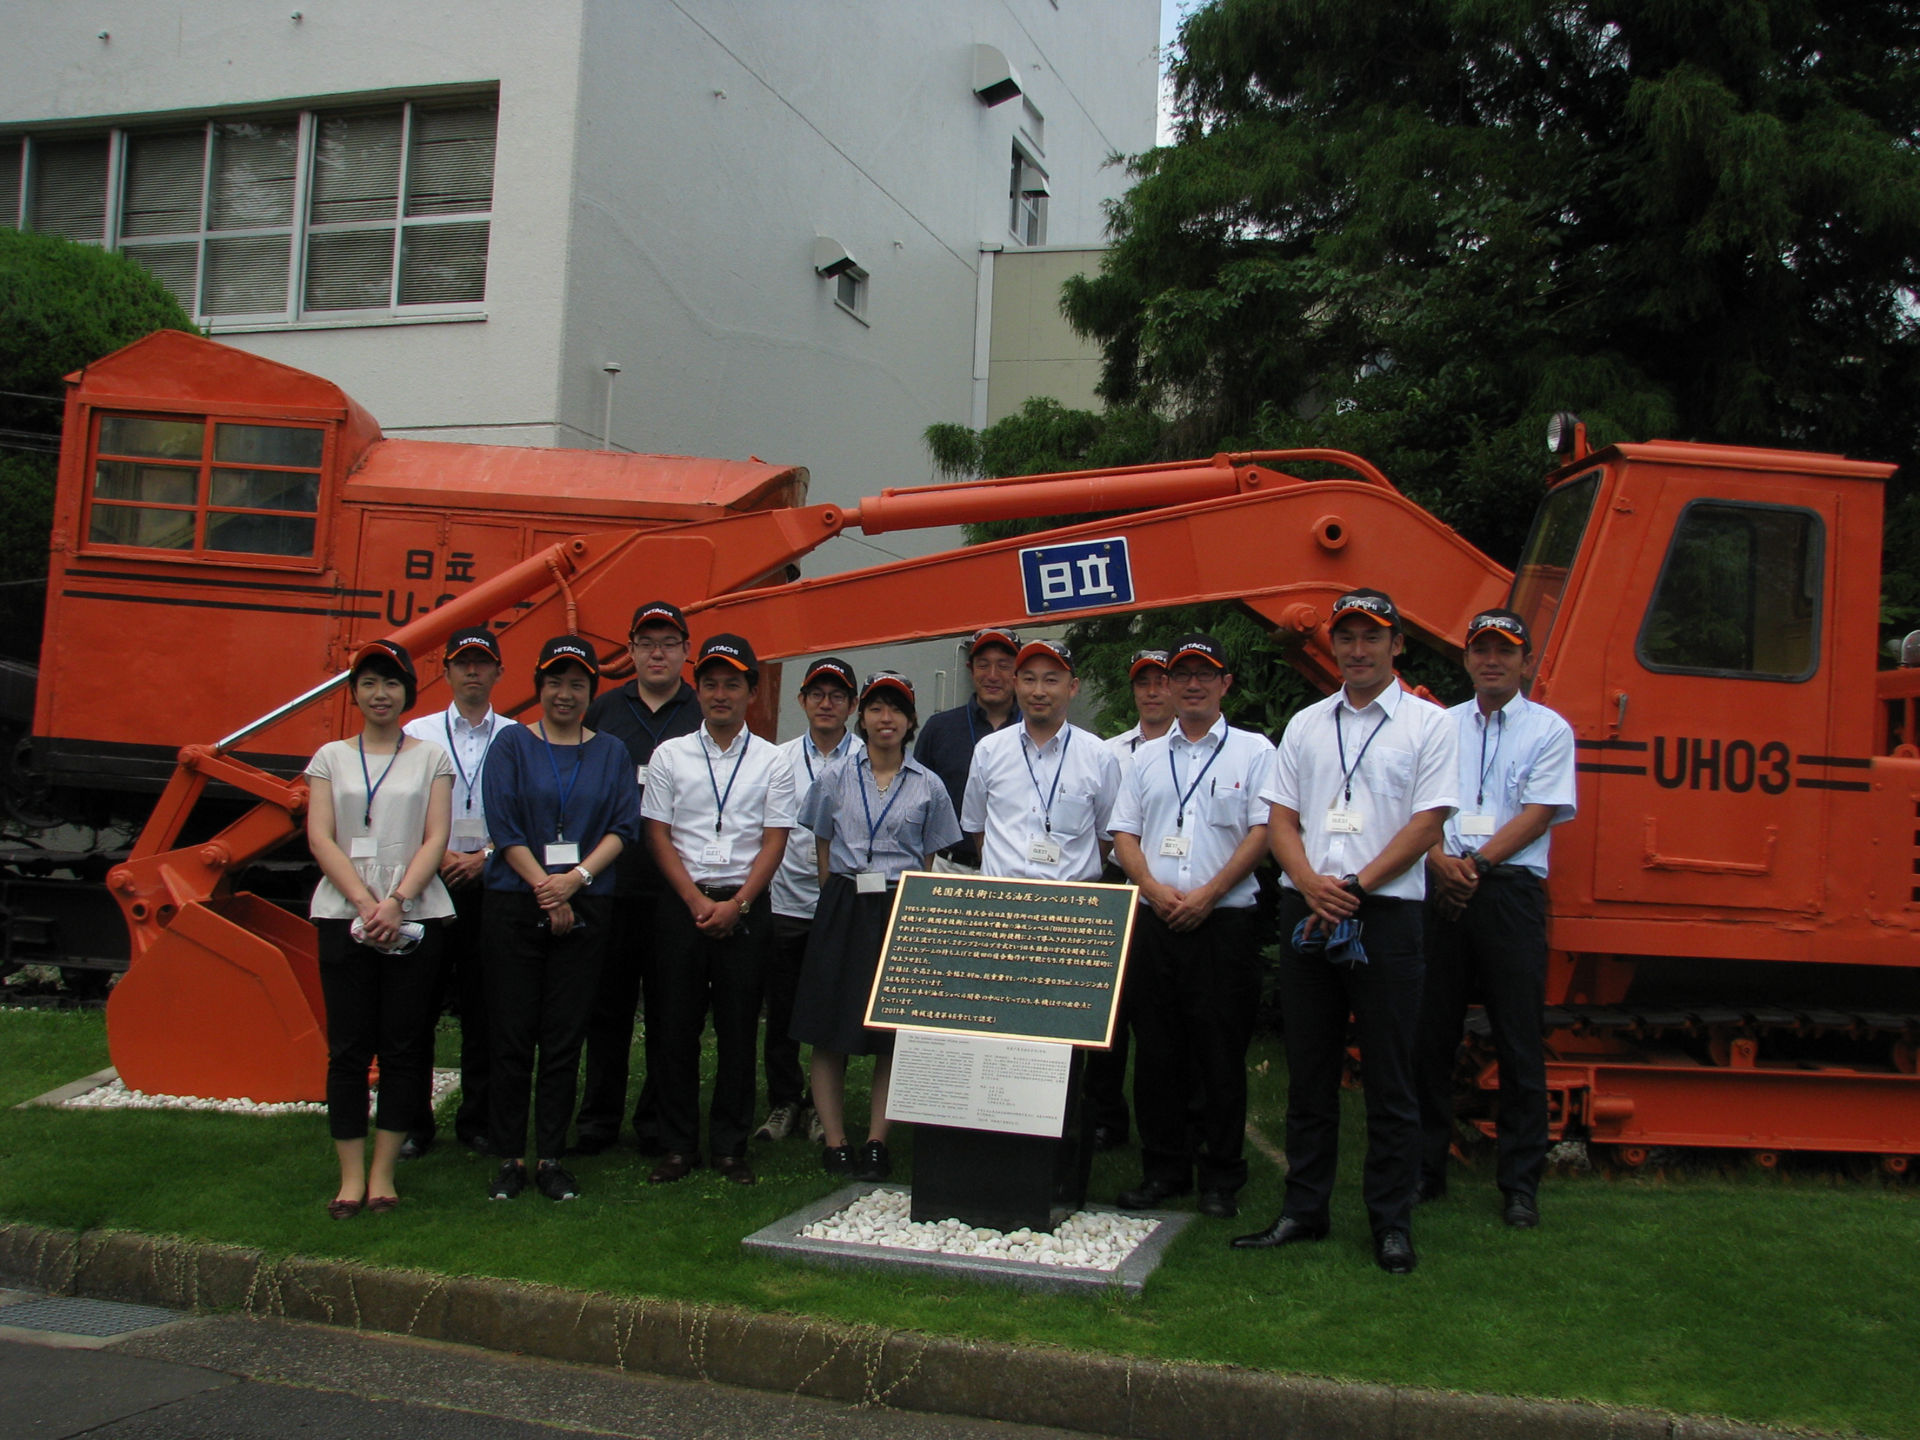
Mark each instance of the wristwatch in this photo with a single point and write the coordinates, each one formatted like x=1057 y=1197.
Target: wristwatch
x=406 y=905
x=586 y=875
x=1351 y=884
x=1481 y=865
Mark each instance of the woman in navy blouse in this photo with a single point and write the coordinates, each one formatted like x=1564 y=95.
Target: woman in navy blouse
x=561 y=805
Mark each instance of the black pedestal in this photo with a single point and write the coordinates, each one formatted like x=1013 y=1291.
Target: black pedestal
x=1000 y=1181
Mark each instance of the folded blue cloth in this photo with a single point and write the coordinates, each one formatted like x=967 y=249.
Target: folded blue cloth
x=1341 y=945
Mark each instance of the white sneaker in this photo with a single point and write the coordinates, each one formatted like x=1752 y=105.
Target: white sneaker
x=816 y=1131
x=778 y=1124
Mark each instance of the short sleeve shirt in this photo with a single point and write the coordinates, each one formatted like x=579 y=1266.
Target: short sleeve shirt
x=1522 y=754
x=796 y=884
x=1020 y=795
x=717 y=803
x=869 y=829
x=399 y=820
x=466 y=745
x=1203 y=796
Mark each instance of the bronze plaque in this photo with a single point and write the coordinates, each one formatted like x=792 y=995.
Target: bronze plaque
x=1015 y=959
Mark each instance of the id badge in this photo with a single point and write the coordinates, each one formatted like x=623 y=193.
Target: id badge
x=1043 y=850
x=640 y=776
x=363 y=847
x=1175 y=847
x=717 y=852
x=870 y=882
x=1476 y=824
x=1343 y=822
x=564 y=852
x=469 y=830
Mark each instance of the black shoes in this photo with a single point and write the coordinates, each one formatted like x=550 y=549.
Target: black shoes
x=1150 y=1194
x=414 y=1146
x=1393 y=1252
x=1429 y=1189
x=478 y=1142
x=552 y=1180
x=734 y=1168
x=874 y=1162
x=1522 y=1212
x=508 y=1184
x=837 y=1160
x=1220 y=1204
x=1284 y=1231
x=1107 y=1137
x=672 y=1167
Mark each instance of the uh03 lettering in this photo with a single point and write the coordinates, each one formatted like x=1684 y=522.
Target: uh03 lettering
x=1700 y=762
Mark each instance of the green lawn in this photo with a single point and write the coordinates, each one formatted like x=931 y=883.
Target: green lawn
x=1785 y=1298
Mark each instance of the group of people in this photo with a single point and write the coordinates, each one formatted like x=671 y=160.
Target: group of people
x=644 y=850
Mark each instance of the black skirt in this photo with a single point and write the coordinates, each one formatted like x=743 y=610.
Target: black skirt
x=843 y=952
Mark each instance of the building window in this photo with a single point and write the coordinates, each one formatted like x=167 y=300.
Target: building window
x=215 y=488
x=1027 y=190
x=850 y=291
x=309 y=215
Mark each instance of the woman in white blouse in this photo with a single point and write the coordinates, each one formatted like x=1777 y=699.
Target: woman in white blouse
x=377 y=825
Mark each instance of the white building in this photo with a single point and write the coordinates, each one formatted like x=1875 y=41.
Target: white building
x=777 y=218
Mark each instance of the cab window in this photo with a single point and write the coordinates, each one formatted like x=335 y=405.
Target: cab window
x=1739 y=593
x=206 y=486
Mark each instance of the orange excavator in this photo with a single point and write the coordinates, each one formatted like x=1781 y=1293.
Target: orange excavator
x=1735 y=913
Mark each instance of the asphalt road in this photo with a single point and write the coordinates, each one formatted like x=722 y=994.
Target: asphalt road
x=221 y=1377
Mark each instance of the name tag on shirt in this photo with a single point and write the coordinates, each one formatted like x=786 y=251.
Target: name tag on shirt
x=469 y=830
x=1043 y=850
x=1175 y=846
x=566 y=852
x=870 y=882
x=1344 y=822
x=363 y=847
x=640 y=776
x=717 y=852
x=1476 y=824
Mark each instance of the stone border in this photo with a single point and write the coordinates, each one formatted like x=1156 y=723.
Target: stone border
x=783 y=1239
x=794 y=1354
x=72 y=1089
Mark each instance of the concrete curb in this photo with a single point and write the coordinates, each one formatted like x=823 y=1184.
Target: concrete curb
x=865 y=1365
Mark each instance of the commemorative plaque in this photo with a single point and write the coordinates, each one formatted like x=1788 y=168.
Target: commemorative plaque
x=1013 y=959
x=996 y=985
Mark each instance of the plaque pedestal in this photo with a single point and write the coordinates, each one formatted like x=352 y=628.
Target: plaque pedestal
x=1002 y=1181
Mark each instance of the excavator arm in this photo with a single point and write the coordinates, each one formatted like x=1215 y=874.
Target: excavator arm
x=222 y=997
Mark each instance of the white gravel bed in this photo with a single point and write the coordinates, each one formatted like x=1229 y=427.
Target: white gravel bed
x=114 y=1095
x=1084 y=1241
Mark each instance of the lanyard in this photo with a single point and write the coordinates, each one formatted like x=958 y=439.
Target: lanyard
x=1180 y=815
x=806 y=753
x=719 y=800
x=1346 y=770
x=373 y=786
x=873 y=826
x=565 y=791
x=641 y=716
x=1480 y=800
x=1046 y=800
x=486 y=741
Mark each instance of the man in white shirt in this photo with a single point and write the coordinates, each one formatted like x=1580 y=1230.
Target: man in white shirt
x=717 y=812
x=1487 y=910
x=1040 y=792
x=826 y=698
x=1188 y=829
x=1363 y=782
x=1152 y=702
x=465 y=730
x=1103 y=1092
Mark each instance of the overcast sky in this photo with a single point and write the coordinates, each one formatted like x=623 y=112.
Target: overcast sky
x=1170 y=13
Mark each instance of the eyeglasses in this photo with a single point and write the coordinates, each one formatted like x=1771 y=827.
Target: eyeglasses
x=1182 y=677
x=656 y=647
x=814 y=694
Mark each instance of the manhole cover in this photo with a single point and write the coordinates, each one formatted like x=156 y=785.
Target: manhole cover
x=66 y=1315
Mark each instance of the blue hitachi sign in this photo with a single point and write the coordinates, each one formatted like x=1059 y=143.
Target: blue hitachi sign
x=1084 y=575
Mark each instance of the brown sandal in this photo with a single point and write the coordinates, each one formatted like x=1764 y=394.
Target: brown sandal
x=381 y=1204
x=345 y=1209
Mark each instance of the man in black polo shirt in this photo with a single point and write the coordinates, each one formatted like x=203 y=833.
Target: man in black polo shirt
x=656 y=705
x=947 y=739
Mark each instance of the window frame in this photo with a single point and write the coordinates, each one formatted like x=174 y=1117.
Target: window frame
x=1022 y=209
x=308 y=119
x=203 y=507
x=1817 y=544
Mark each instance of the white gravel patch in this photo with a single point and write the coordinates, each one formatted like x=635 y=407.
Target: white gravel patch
x=1085 y=1240
x=114 y=1095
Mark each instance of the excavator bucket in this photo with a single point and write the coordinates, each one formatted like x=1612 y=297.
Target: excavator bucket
x=225 y=1003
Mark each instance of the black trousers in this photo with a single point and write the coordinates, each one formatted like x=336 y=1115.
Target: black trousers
x=1496 y=951
x=626 y=986
x=779 y=1051
x=378 y=1007
x=1383 y=997
x=696 y=976
x=539 y=992
x=464 y=970
x=1195 y=996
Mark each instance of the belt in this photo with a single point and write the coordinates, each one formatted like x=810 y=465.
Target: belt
x=718 y=892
